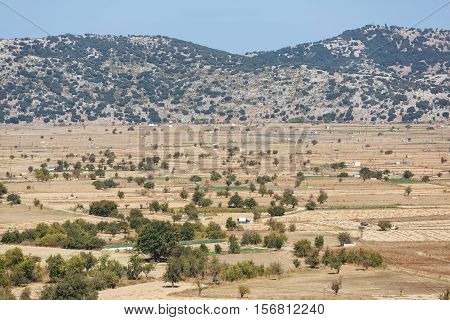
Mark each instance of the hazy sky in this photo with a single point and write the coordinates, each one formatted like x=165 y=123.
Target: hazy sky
x=234 y=26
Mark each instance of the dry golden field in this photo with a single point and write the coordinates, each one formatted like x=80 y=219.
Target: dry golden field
x=417 y=254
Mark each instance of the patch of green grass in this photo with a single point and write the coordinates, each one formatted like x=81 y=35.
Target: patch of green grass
x=404 y=181
x=252 y=250
x=240 y=188
x=388 y=206
x=202 y=241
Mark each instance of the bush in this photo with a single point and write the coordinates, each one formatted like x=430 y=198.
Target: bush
x=217 y=249
x=250 y=237
x=103 y=208
x=73 y=287
x=243 y=290
x=384 y=225
x=275 y=240
x=408 y=174
x=3 y=189
x=318 y=242
x=13 y=198
x=242 y=270
x=313 y=258
x=276 y=211
x=214 y=231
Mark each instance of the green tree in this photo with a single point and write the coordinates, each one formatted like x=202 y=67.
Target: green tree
x=344 y=238
x=56 y=267
x=173 y=272
x=191 y=211
x=3 y=190
x=274 y=240
x=13 y=198
x=135 y=267
x=302 y=248
x=250 y=203
x=230 y=224
x=214 y=231
x=103 y=208
x=158 y=239
x=236 y=201
x=276 y=211
x=310 y=205
x=384 y=225
x=288 y=198
x=408 y=174
x=250 y=237
x=233 y=245
x=183 y=194
x=318 y=242
x=73 y=287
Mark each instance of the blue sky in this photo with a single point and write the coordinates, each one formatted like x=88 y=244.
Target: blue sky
x=234 y=26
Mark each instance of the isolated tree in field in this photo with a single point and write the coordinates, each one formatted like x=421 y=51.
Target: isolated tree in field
x=243 y=290
x=289 y=198
x=13 y=198
x=296 y=263
x=276 y=211
x=408 y=174
x=425 y=179
x=311 y=204
x=184 y=194
x=3 y=190
x=408 y=191
x=217 y=249
x=276 y=162
x=318 y=242
x=344 y=238
x=214 y=231
x=302 y=248
x=230 y=224
x=236 y=201
x=158 y=239
x=250 y=203
x=252 y=187
x=313 y=258
x=147 y=268
x=262 y=190
x=121 y=194
x=384 y=225
x=335 y=261
x=233 y=245
x=103 y=208
x=322 y=197
x=275 y=240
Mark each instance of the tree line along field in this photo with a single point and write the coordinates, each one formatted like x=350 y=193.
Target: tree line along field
x=299 y=184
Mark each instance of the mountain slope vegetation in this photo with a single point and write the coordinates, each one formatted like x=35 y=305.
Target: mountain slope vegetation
x=374 y=73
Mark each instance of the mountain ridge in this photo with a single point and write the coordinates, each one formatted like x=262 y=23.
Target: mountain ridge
x=69 y=78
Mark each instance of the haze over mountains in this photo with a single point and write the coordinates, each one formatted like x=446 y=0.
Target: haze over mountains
x=374 y=73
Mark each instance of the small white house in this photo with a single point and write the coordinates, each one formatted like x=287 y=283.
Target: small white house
x=356 y=164
x=244 y=220
x=349 y=245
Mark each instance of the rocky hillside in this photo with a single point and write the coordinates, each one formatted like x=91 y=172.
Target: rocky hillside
x=378 y=74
